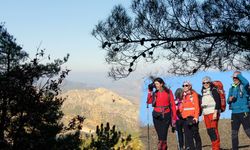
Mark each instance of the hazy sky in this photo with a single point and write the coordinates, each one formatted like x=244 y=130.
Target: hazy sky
x=64 y=26
x=61 y=27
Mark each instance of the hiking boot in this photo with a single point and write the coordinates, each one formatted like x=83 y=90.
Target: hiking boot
x=187 y=148
x=159 y=145
x=164 y=145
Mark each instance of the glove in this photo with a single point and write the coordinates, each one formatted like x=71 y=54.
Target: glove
x=151 y=86
x=178 y=113
x=173 y=129
x=173 y=123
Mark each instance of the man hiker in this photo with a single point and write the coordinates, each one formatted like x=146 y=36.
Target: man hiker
x=238 y=100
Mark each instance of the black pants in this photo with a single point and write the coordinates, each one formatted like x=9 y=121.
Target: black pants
x=180 y=132
x=192 y=136
x=161 y=124
x=237 y=120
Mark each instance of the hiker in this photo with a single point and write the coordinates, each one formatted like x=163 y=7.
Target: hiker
x=190 y=110
x=179 y=120
x=211 y=104
x=238 y=100
x=164 y=112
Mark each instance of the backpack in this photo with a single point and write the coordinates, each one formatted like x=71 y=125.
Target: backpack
x=248 y=94
x=200 y=102
x=219 y=87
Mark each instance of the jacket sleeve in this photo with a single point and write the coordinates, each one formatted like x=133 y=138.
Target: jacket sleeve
x=173 y=106
x=229 y=94
x=196 y=105
x=150 y=97
x=243 y=80
x=217 y=99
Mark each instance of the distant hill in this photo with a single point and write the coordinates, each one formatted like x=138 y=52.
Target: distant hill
x=130 y=91
x=71 y=85
x=100 y=106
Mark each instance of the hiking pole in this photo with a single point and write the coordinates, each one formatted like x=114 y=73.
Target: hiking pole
x=148 y=127
x=177 y=139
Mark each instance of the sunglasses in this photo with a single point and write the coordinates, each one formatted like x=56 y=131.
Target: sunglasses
x=205 y=82
x=185 y=85
x=235 y=78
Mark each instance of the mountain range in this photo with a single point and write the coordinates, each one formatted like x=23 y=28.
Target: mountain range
x=101 y=105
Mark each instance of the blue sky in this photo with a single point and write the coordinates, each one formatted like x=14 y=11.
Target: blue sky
x=196 y=80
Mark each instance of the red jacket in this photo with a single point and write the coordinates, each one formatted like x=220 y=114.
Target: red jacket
x=190 y=105
x=163 y=99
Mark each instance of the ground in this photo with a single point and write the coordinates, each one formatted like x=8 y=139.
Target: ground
x=224 y=130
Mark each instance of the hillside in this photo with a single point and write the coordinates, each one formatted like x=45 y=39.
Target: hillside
x=224 y=130
x=100 y=106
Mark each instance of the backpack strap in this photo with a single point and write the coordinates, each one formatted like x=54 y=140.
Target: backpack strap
x=230 y=91
x=154 y=99
x=216 y=97
x=163 y=108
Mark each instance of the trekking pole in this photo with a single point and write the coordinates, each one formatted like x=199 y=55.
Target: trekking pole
x=177 y=139
x=148 y=127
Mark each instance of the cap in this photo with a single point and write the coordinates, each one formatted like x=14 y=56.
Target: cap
x=206 y=79
x=236 y=73
x=187 y=82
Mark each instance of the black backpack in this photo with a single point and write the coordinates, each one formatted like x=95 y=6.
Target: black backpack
x=200 y=102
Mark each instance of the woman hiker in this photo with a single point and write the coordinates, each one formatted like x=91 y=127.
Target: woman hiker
x=211 y=104
x=179 y=121
x=164 y=113
x=190 y=111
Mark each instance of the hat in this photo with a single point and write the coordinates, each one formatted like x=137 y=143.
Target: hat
x=206 y=79
x=236 y=73
x=187 y=82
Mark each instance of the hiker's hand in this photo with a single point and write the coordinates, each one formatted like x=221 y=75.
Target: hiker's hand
x=195 y=120
x=173 y=123
x=231 y=99
x=151 y=86
x=173 y=129
x=214 y=115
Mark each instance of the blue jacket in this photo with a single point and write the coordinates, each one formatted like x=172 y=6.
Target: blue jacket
x=240 y=103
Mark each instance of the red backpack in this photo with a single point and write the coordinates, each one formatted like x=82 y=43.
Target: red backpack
x=219 y=87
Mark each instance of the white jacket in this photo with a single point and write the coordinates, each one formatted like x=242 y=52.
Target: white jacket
x=208 y=102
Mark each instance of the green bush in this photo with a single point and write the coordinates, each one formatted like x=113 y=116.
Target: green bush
x=107 y=138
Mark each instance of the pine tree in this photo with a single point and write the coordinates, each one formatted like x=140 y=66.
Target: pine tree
x=29 y=97
x=186 y=35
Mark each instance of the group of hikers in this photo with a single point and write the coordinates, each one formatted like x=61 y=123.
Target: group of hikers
x=182 y=111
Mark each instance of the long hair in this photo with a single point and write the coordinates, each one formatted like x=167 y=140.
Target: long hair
x=160 y=80
x=178 y=93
